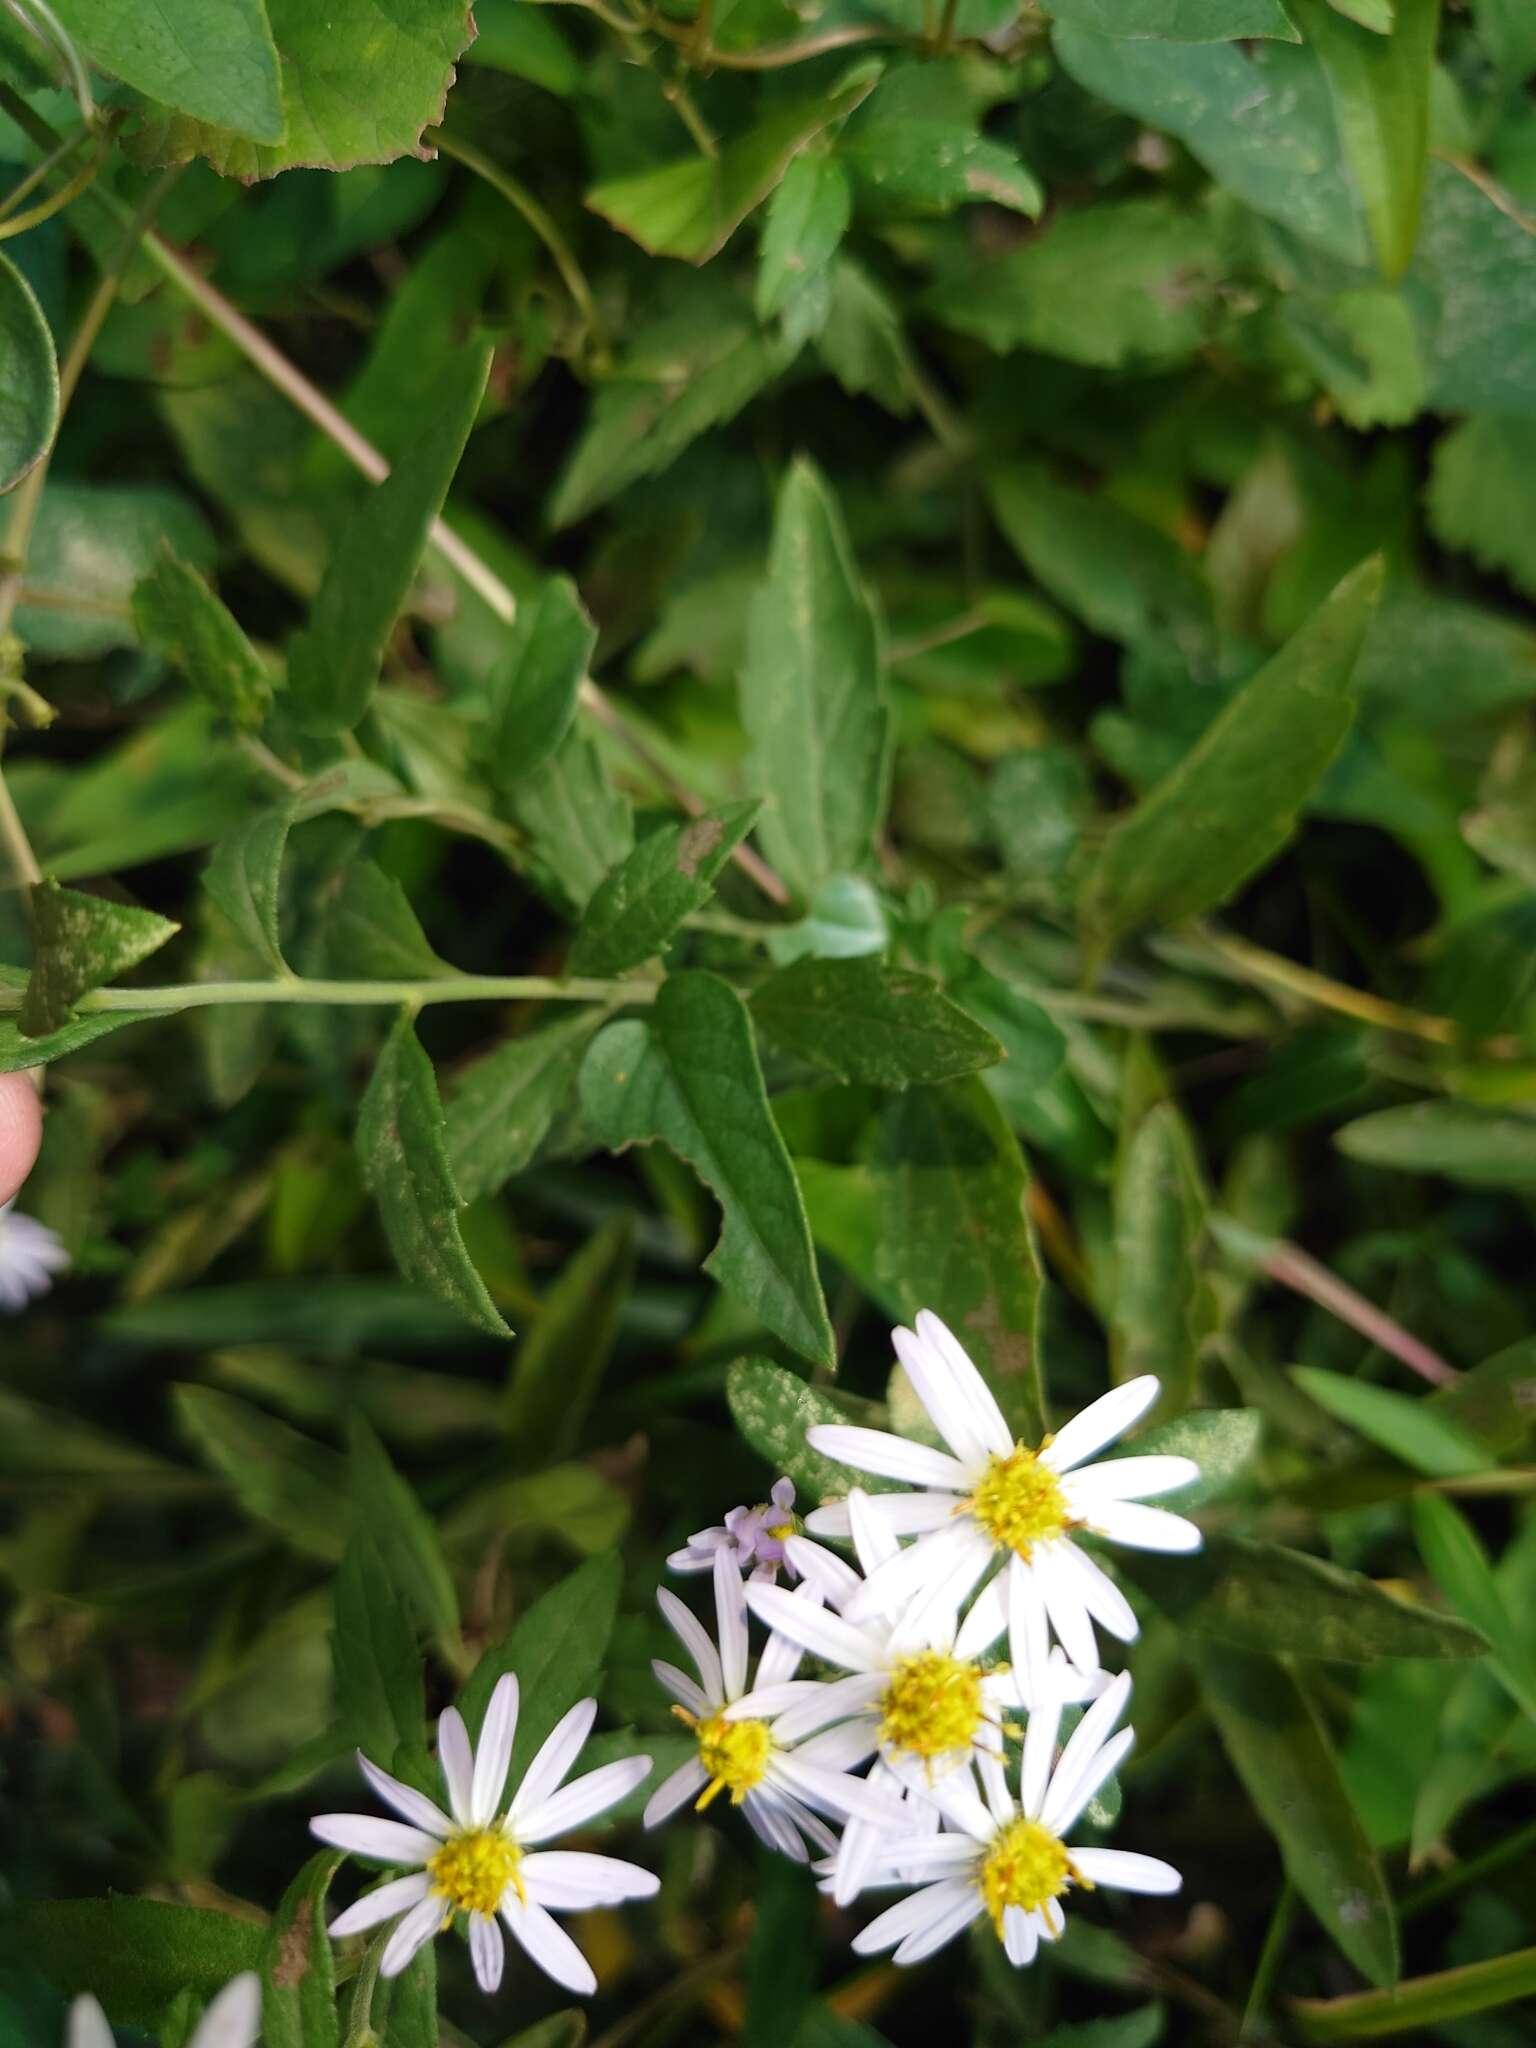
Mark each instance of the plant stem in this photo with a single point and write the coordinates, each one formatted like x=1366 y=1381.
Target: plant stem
x=1269 y=1961
x=360 y=2010
x=522 y=201
x=1258 y=965
x=457 y=988
x=40 y=171
x=45 y=209
x=775 y=56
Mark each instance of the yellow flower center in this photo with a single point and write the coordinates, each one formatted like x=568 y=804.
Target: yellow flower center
x=932 y=1704
x=734 y=1753
x=782 y=1531
x=1026 y=1866
x=1019 y=1501
x=472 y=1870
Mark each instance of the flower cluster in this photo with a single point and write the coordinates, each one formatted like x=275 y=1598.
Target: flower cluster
x=876 y=1733
x=910 y=1684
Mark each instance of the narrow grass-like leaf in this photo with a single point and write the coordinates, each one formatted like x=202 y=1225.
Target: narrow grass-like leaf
x=1459 y=1565
x=1421 y=2005
x=1162 y=1302
x=404 y=1158
x=1410 y=1429
x=283 y=1479
x=1463 y=1140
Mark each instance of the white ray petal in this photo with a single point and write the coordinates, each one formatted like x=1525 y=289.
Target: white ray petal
x=892 y=1457
x=1029 y=1635
x=682 y=1688
x=1039 y=1754
x=694 y=1637
x=375 y=1907
x=1123 y=1870
x=965 y=1378
x=595 y=1880
x=781 y=1658
x=363 y=1834
x=955 y=1556
x=548 y=1944
x=832 y=1701
x=874 y=1541
x=413 y=1933
x=957 y=1915
x=815 y=1628
x=583 y=1799
x=1100 y=1423
x=87 y=2026
x=842 y=1748
x=487 y=1951
x=769 y=1819
x=948 y=1410
x=1130 y=1478
x=986 y=1621
x=833 y=1792
x=731 y=1618
x=833 y=1578
x=763 y=1702
x=903 y=1514
x=685 y=1783
x=1125 y=1521
x=556 y=1753
x=992 y=1773
x=457 y=1763
x=410 y=1804
x=1062 y=1807
x=1064 y=1604
x=919 y=1858
x=1098 y=1592
x=1090 y=1735
x=494 y=1753
x=233 y=2019
x=1021 y=1936
x=921 y=1909
x=954 y=1794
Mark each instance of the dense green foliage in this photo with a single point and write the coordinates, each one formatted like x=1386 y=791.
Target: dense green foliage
x=678 y=677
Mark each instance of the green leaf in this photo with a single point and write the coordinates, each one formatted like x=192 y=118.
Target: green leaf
x=1459 y=1565
x=44 y=1440
x=679 y=376
x=1409 y=1429
x=577 y=824
x=1162 y=1302
x=213 y=59
x=806 y=219
x=689 y=1076
x=298 y=1974
x=29 y=401
x=1260 y=119
x=813 y=695
x=79 y=943
x=1279 y=1749
x=1231 y=803
x=18 y=1052
x=845 y=921
x=643 y=902
x=560 y=1364
x=501 y=1106
x=409 y=2004
x=1152 y=269
x=1420 y=2006
x=1261 y=1596
x=864 y=1021
x=560 y=2030
x=405 y=49
x=1479 y=496
x=136 y=1954
x=1180 y=21
x=403 y=1535
x=557 y=1649
x=404 y=1157
x=690 y=209
x=782 y=1958
x=372 y=933
x=773 y=1409
x=1222 y=1441
x=1462 y=1140
x=933 y=166
x=179 y=617
x=1381 y=91
x=535 y=686
x=92 y=544
x=282 y=1479
x=380 y=1699
x=244 y=878
x=516 y=38
x=333 y=664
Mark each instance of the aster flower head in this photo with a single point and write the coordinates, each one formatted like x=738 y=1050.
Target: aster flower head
x=989 y=1498
x=780 y=1781
x=485 y=1862
x=754 y=1537
x=233 y=2020
x=30 y=1255
x=1008 y=1859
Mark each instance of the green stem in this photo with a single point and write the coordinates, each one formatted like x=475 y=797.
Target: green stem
x=458 y=988
x=40 y=171
x=1471 y=1870
x=360 y=2011
x=45 y=209
x=1269 y=1961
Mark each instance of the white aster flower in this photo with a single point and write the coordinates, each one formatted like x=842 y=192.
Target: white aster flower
x=989 y=1497
x=917 y=1691
x=233 y=2020
x=1009 y=1859
x=481 y=1862
x=754 y=1537
x=779 y=1785
x=30 y=1255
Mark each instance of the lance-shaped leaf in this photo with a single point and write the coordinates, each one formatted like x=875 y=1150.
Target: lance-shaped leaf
x=1453 y=1551
x=29 y=395
x=689 y=1076
x=79 y=943
x=561 y=1362
x=813 y=693
x=406 y=1540
x=298 y=1971
x=405 y=1162
x=371 y=932
x=558 y=1649
x=644 y=900
x=864 y=1021
x=18 y=1052
x=1410 y=1428
x=244 y=876
x=380 y=1698
x=281 y=1477
x=1231 y=803
x=692 y=208
x=576 y=822
x=334 y=663
x=1162 y=1303
x=1421 y=2005
x=1280 y=1750
x=179 y=617
x=500 y=1108
x=534 y=687
x=1466 y=1141
x=773 y=1409
x=1381 y=86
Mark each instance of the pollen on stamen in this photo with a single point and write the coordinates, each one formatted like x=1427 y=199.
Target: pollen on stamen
x=734 y=1755
x=932 y=1705
x=472 y=1870
x=1019 y=1501
x=1026 y=1866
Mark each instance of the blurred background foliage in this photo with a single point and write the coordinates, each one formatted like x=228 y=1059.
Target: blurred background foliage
x=1114 y=338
